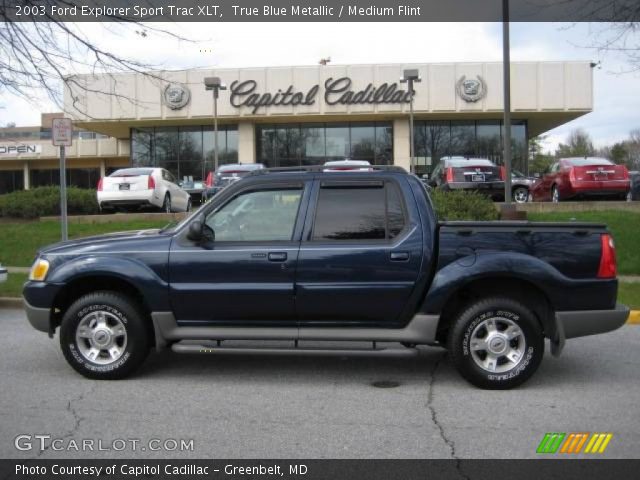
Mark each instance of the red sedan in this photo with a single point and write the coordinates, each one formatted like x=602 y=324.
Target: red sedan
x=581 y=177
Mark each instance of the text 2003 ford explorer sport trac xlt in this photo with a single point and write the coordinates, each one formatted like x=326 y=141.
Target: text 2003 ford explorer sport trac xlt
x=308 y=256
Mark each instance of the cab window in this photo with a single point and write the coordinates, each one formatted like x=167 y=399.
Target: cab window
x=257 y=216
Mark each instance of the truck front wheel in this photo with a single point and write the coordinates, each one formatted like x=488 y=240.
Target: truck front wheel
x=496 y=343
x=103 y=336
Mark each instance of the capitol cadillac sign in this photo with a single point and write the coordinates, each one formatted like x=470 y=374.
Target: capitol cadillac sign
x=19 y=149
x=336 y=91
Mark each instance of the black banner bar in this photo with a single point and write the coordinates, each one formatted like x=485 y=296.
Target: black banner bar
x=318 y=10
x=319 y=469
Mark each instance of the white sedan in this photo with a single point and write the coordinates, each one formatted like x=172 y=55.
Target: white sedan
x=142 y=187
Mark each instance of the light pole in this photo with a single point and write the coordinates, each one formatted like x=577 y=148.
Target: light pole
x=506 y=68
x=410 y=77
x=215 y=84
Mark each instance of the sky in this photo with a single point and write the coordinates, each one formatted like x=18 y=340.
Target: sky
x=616 y=96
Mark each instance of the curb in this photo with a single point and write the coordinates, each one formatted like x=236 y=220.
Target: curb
x=11 y=302
x=634 y=317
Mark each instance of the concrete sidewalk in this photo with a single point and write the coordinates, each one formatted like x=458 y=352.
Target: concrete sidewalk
x=18 y=269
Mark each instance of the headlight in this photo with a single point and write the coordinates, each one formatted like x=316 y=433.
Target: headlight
x=39 y=270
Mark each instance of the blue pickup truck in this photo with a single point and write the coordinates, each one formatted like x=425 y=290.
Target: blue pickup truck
x=306 y=256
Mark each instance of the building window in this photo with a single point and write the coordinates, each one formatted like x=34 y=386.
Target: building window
x=83 y=177
x=44 y=178
x=11 y=180
x=187 y=152
x=291 y=145
x=76 y=177
x=481 y=138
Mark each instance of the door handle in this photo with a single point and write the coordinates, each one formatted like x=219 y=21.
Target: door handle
x=399 y=256
x=277 y=256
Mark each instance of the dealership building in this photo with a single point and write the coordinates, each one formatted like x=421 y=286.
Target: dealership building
x=292 y=116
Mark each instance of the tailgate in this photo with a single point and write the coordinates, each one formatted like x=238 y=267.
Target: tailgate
x=600 y=172
x=126 y=183
x=480 y=173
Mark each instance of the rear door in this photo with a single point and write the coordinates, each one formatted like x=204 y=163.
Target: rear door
x=179 y=197
x=360 y=255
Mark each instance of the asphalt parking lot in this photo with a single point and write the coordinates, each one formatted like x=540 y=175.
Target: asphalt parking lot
x=302 y=407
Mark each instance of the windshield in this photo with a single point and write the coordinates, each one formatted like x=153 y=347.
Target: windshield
x=583 y=162
x=471 y=162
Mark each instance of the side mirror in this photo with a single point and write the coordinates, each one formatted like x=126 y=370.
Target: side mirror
x=536 y=175
x=195 y=232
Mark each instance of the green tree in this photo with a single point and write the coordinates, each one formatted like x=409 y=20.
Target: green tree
x=618 y=153
x=539 y=161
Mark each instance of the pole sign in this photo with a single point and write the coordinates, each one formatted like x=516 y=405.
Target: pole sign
x=61 y=132
x=61 y=136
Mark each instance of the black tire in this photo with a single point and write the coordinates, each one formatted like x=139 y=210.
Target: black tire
x=504 y=311
x=118 y=308
x=555 y=194
x=166 y=205
x=188 y=206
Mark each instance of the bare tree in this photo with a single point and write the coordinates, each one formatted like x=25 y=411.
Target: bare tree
x=578 y=144
x=619 y=38
x=39 y=56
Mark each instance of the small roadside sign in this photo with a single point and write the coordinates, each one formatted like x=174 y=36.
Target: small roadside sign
x=61 y=136
x=61 y=132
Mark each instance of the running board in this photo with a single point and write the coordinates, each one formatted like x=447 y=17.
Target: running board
x=420 y=330
x=356 y=352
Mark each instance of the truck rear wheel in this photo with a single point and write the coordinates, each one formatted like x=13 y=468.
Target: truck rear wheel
x=103 y=336
x=496 y=343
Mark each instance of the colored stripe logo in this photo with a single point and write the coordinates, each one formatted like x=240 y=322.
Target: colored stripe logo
x=555 y=442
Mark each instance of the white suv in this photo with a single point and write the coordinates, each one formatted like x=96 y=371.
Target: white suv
x=142 y=187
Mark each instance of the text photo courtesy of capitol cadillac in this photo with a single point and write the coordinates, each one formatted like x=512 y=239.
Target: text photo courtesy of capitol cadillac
x=309 y=239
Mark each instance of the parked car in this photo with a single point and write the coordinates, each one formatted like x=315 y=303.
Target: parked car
x=195 y=189
x=3 y=274
x=226 y=175
x=582 y=177
x=329 y=256
x=634 y=191
x=137 y=188
x=347 y=165
x=461 y=173
x=521 y=186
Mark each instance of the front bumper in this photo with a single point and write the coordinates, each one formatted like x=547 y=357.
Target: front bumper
x=39 y=318
x=591 y=322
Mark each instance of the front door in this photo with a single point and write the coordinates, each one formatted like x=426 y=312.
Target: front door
x=360 y=255
x=246 y=276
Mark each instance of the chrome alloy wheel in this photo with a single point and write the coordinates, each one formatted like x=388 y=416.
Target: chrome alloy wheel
x=497 y=344
x=101 y=337
x=521 y=195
